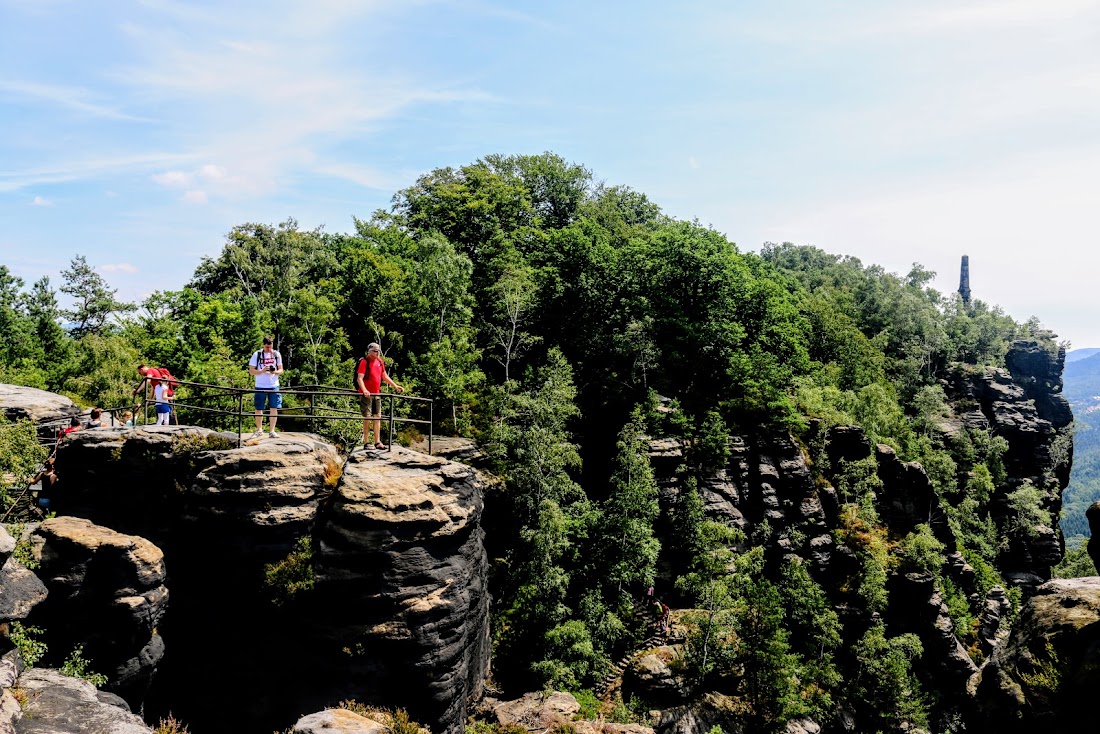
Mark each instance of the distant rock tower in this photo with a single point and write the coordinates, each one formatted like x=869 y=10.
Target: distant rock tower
x=964 y=280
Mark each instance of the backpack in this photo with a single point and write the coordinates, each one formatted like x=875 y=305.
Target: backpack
x=157 y=376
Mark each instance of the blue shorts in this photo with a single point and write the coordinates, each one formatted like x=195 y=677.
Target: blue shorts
x=163 y=408
x=273 y=399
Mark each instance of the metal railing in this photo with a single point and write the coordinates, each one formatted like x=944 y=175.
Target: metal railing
x=318 y=405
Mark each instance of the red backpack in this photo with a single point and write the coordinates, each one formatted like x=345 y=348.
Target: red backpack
x=157 y=376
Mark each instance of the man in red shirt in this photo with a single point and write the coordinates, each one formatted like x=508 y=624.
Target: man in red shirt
x=369 y=376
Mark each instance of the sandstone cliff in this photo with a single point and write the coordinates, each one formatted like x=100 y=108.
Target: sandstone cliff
x=399 y=611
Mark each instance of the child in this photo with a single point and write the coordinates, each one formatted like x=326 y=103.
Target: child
x=162 y=396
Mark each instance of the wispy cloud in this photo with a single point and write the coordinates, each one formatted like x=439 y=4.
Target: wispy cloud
x=82 y=169
x=124 y=268
x=41 y=201
x=73 y=98
x=195 y=197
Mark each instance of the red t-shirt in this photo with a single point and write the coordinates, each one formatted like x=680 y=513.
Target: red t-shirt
x=372 y=371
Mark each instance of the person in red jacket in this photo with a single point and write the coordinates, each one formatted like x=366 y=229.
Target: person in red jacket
x=369 y=376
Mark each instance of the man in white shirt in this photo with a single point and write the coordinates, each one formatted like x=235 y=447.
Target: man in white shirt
x=266 y=365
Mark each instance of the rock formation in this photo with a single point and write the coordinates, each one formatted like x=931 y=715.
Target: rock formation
x=401 y=569
x=107 y=594
x=58 y=704
x=28 y=403
x=1025 y=406
x=399 y=613
x=20 y=590
x=1043 y=678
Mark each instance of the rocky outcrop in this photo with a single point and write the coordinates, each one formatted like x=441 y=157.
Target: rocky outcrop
x=106 y=593
x=402 y=570
x=399 y=613
x=1043 y=678
x=651 y=676
x=58 y=704
x=1024 y=405
x=20 y=590
x=544 y=711
x=338 y=721
x=28 y=403
x=917 y=606
x=151 y=480
x=699 y=717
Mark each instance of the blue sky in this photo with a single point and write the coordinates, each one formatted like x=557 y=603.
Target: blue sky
x=139 y=133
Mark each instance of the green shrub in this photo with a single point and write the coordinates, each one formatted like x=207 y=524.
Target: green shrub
x=30 y=649
x=292 y=576
x=75 y=666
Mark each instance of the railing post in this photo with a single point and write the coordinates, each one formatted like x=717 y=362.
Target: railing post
x=389 y=438
x=240 y=418
x=431 y=424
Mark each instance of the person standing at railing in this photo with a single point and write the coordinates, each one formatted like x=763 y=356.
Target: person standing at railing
x=369 y=376
x=266 y=365
x=163 y=399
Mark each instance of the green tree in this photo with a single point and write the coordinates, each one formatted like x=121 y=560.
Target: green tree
x=628 y=549
x=93 y=300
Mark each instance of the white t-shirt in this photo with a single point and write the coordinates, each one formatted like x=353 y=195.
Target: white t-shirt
x=261 y=360
x=158 y=393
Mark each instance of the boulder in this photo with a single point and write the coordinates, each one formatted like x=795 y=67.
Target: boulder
x=58 y=704
x=702 y=715
x=338 y=721
x=20 y=591
x=106 y=593
x=543 y=711
x=537 y=711
x=28 y=403
x=1044 y=676
x=651 y=677
x=401 y=572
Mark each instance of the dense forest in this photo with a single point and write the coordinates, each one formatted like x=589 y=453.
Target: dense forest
x=562 y=322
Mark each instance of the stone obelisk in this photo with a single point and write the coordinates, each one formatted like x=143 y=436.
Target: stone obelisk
x=964 y=280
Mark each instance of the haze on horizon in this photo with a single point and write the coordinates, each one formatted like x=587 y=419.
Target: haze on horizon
x=139 y=133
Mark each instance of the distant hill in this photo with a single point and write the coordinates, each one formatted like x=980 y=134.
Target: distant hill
x=1082 y=389
x=1078 y=354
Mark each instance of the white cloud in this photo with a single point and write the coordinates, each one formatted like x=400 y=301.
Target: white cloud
x=173 y=178
x=41 y=201
x=126 y=268
x=693 y=163
x=195 y=197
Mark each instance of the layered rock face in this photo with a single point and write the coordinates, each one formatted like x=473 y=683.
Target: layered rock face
x=107 y=593
x=399 y=615
x=20 y=590
x=104 y=592
x=58 y=704
x=1024 y=405
x=257 y=498
x=28 y=403
x=1044 y=677
x=402 y=572
x=768 y=490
